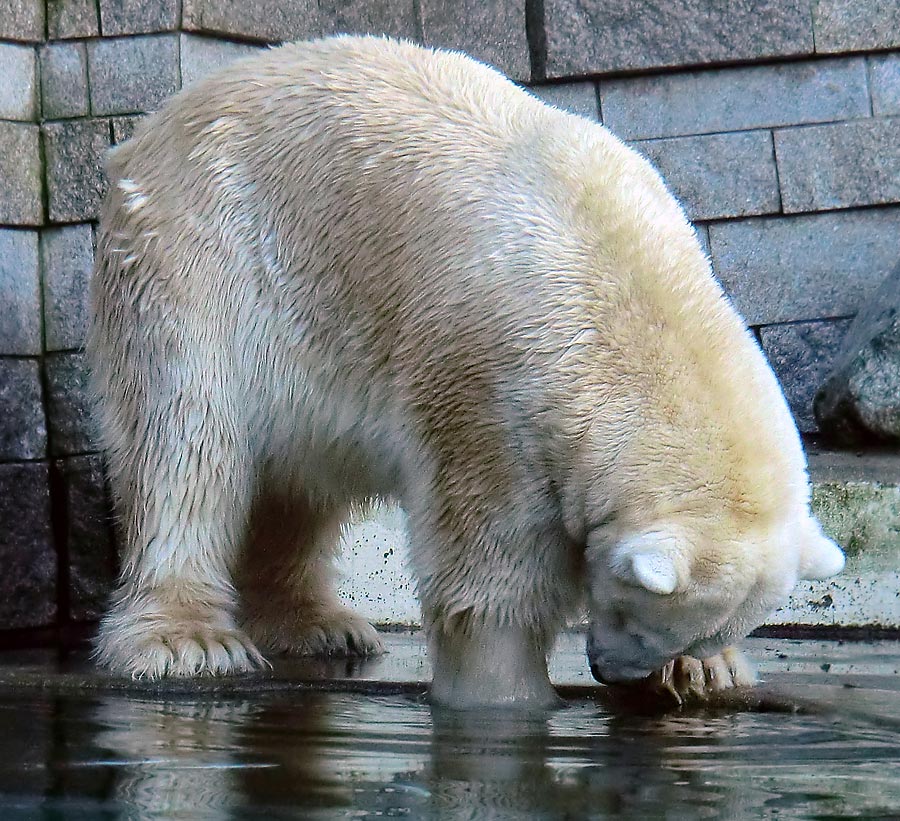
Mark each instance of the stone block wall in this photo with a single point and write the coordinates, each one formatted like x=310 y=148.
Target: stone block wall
x=777 y=122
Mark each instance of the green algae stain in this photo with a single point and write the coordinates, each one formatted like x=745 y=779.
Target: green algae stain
x=863 y=518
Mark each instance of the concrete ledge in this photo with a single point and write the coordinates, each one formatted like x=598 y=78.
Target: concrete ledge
x=820 y=677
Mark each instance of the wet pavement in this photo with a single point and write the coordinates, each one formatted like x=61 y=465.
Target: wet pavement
x=820 y=738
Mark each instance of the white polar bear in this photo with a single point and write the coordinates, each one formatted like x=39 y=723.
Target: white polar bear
x=356 y=268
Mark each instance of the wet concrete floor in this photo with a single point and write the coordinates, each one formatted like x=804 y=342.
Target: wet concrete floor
x=818 y=739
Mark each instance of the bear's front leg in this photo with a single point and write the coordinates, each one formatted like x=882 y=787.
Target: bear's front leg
x=483 y=665
x=181 y=490
x=690 y=679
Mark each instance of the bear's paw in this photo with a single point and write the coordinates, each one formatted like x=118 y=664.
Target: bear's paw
x=336 y=631
x=146 y=642
x=690 y=679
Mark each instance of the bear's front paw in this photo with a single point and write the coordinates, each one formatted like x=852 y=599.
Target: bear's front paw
x=689 y=679
x=153 y=647
x=333 y=632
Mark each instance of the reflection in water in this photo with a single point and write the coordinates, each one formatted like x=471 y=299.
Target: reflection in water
x=339 y=755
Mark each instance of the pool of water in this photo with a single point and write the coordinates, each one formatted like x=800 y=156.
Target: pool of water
x=825 y=748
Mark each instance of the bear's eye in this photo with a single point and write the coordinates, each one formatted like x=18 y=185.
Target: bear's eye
x=619 y=619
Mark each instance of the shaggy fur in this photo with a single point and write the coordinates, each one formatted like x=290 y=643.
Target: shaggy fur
x=355 y=268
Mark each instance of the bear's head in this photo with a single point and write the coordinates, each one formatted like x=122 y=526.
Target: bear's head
x=680 y=588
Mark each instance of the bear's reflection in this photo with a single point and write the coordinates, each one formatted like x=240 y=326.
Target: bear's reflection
x=314 y=754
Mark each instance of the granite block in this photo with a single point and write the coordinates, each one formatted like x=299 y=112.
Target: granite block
x=840 y=165
x=20 y=295
x=202 y=55
x=577 y=98
x=592 y=37
x=64 y=80
x=68 y=405
x=268 y=20
x=90 y=543
x=76 y=181
x=27 y=554
x=137 y=16
x=23 y=430
x=782 y=269
x=735 y=99
x=22 y=20
x=123 y=127
x=133 y=74
x=21 y=201
x=856 y=25
x=67 y=257
x=801 y=354
x=884 y=77
x=718 y=175
x=396 y=18
x=18 y=90
x=492 y=31
x=72 y=18
x=275 y=21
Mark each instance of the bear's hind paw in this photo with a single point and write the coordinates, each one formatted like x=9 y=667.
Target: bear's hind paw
x=339 y=632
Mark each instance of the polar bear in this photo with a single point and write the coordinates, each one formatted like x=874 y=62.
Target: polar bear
x=355 y=268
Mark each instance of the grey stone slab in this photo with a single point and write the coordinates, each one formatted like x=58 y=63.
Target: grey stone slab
x=860 y=399
x=20 y=318
x=18 y=89
x=137 y=16
x=577 y=98
x=76 y=181
x=718 y=175
x=68 y=405
x=123 y=128
x=23 y=429
x=132 y=74
x=492 y=31
x=394 y=17
x=27 y=554
x=592 y=37
x=72 y=18
x=884 y=77
x=22 y=20
x=90 y=543
x=67 y=258
x=275 y=21
x=269 y=20
x=781 y=269
x=21 y=202
x=735 y=99
x=856 y=25
x=801 y=354
x=202 y=55
x=840 y=165
x=64 y=80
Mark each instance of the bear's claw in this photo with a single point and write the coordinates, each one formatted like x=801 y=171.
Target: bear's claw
x=691 y=679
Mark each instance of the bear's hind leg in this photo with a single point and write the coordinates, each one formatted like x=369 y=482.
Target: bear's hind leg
x=286 y=582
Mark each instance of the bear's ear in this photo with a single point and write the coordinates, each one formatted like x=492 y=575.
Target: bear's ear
x=649 y=560
x=820 y=557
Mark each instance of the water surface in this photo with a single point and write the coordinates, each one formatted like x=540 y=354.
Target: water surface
x=314 y=755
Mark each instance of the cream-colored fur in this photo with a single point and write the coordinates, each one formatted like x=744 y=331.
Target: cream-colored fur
x=356 y=268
